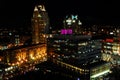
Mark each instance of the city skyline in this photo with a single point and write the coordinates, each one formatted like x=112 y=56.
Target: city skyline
x=81 y=42
x=19 y=13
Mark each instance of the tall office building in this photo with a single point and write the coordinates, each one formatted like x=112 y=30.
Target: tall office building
x=111 y=48
x=72 y=22
x=82 y=52
x=40 y=23
x=83 y=49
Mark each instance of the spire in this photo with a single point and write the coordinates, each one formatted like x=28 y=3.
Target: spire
x=35 y=9
x=41 y=7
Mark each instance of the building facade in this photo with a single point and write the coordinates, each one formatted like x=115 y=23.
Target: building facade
x=111 y=47
x=82 y=49
x=79 y=51
x=111 y=50
x=40 y=24
x=73 y=23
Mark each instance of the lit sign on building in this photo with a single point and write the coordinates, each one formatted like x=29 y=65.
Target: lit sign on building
x=63 y=31
x=74 y=17
x=66 y=31
x=69 y=31
x=109 y=40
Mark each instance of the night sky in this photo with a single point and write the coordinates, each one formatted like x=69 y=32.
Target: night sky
x=18 y=12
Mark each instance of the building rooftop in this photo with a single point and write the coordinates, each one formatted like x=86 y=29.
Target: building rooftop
x=92 y=65
x=72 y=37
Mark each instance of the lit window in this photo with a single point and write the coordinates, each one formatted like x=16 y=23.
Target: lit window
x=10 y=34
x=73 y=21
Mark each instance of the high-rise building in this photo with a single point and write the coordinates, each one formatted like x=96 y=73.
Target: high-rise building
x=83 y=49
x=111 y=49
x=83 y=52
x=72 y=22
x=40 y=23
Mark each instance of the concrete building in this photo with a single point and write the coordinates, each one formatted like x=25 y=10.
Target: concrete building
x=40 y=24
x=78 y=52
x=72 y=22
x=111 y=50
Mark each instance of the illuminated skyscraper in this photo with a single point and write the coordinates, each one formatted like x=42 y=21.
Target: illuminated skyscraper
x=40 y=23
x=72 y=22
x=111 y=48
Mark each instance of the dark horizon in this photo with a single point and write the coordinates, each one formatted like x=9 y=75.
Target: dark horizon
x=19 y=13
